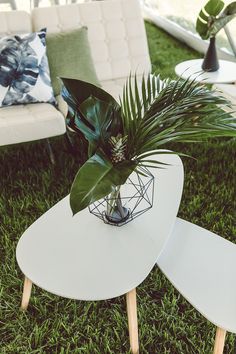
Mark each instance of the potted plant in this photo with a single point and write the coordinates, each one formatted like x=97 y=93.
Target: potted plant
x=211 y=19
x=124 y=136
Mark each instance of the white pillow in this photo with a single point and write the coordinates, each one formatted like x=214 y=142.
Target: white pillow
x=24 y=70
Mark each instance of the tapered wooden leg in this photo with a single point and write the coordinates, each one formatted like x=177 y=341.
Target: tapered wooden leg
x=132 y=320
x=26 y=294
x=219 y=341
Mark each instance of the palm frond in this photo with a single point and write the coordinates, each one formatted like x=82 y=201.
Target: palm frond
x=165 y=111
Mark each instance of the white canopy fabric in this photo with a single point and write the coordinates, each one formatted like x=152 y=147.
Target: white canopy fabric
x=152 y=13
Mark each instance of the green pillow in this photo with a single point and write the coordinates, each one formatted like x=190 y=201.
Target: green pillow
x=69 y=56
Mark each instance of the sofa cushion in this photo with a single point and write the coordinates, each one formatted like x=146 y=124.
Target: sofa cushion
x=12 y=22
x=30 y=122
x=24 y=71
x=69 y=56
x=115 y=87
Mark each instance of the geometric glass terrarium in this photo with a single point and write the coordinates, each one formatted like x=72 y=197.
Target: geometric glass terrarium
x=128 y=201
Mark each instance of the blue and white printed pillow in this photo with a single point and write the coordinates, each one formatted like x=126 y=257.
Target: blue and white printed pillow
x=24 y=70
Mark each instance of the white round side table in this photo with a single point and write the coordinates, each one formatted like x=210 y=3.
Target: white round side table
x=83 y=258
x=192 y=68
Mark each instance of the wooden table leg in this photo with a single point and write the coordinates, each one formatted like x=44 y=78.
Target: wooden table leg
x=26 y=294
x=219 y=341
x=131 y=302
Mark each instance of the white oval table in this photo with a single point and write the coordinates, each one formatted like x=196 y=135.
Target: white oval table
x=193 y=68
x=83 y=258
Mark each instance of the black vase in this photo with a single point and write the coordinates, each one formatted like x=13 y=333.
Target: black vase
x=210 y=61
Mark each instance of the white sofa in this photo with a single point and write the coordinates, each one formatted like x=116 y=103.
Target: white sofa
x=119 y=46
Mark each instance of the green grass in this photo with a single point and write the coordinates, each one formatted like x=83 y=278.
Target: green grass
x=166 y=51
x=29 y=185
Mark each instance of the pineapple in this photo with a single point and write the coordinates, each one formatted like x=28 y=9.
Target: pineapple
x=118 y=147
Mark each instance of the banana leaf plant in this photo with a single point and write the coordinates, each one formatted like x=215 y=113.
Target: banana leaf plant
x=213 y=17
x=123 y=136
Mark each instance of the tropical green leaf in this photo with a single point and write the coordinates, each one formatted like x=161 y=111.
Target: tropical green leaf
x=97 y=119
x=102 y=120
x=207 y=15
x=229 y=9
x=175 y=114
x=96 y=179
x=211 y=20
x=137 y=98
x=149 y=88
x=75 y=92
x=144 y=94
x=220 y=23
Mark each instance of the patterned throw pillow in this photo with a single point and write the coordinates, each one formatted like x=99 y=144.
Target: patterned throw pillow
x=24 y=70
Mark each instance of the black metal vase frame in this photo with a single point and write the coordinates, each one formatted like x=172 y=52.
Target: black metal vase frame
x=128 y=202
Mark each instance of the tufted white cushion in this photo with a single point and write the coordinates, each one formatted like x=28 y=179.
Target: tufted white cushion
x=115 y=87
x=115 y=29
x=29 y=122
x=14 y=22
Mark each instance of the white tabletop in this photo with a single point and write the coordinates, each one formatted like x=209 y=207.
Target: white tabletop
x=83 y=258
x=192 y=68
x=202 y=267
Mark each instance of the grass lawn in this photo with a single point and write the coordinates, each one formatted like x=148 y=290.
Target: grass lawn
x=29 y=186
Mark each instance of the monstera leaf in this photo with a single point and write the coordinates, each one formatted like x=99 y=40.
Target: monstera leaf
x=97 y=178
x=93 y=112
x=230 y=9
x=98 y=121
x=207 y=15
x=225 y=17
x=211 y=20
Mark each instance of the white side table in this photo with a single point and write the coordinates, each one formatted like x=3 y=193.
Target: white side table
x=192 y=68
x=83 y=258
x=202 y=267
